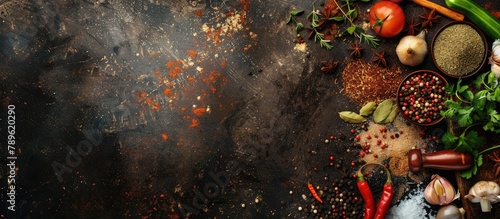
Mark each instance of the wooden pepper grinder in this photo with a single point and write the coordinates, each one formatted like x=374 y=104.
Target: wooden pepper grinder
x=443 y=160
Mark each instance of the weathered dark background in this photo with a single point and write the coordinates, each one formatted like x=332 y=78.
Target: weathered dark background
x=170 y=99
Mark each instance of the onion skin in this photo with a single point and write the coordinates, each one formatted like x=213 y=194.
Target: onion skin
x=412 y=50
x=450 y=212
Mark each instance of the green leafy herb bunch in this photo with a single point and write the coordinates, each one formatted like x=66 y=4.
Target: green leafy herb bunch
x=473 y=106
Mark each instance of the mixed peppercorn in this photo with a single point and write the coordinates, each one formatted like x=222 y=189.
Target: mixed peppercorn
x=421 y=96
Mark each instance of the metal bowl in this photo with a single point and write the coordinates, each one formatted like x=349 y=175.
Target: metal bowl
x=421 y=96
x=460 y=55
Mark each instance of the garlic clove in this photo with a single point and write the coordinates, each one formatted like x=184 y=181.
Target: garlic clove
x=493 y=198
x=485 y=205
x=495 y=51
x=473 y=198
x=439 y=191
x=495 y=58
x=495 y=68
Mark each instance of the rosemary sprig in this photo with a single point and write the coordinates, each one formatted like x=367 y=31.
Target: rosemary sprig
x=314 y=16
x=321 y=38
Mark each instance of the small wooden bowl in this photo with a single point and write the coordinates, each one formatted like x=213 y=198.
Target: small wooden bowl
x=419 y=92
x=459 y=49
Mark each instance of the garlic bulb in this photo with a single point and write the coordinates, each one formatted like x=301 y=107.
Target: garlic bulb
x=486 y=193
x=495 y=58
x=439 y=191
x=412 y=50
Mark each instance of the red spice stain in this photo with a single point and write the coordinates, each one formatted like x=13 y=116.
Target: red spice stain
x=487 y=6
x=198 y=12
x=243 y=17
x=165 y=137
x=141 y=95
x=170 y=64
x=173 y=216
x=192 y=53
x=154 y=54
x=211 y=77
x=156 y=106
x=175 y=72
x=194 y=123
x=191 y=79
x=216 y=36
x=157 y=72
x=199 y=111
x=168 y=92
x=495 y=13
x=183 y=108
x=223 y=63
x=245 y=4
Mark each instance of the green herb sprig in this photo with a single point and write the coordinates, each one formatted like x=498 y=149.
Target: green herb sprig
x=291 y=19
x=319 y=37
x=349 y=15
x=470 y=108
x=318 y=18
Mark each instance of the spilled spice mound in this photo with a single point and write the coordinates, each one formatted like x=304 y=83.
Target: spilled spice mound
x=364 y=82
x=390 y=144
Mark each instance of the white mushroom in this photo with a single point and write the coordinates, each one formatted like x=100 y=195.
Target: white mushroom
x=486 y=193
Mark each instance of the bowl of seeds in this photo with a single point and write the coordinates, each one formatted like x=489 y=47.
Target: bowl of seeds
x=421 y=96
x=459 y=49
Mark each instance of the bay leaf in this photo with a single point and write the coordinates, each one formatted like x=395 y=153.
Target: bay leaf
x=351 y=117
x=368 y=109
x=393 y=114
x=382 y=111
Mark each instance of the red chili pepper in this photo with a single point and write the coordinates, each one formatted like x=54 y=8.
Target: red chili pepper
x=366 y=194
x=385 y=201
x=314 y=193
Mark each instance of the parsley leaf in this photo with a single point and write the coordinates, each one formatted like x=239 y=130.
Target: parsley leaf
x=471 y=107
x=464 y=116
x=449 y=140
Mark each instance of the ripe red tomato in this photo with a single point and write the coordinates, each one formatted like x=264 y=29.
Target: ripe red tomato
x=387 y=18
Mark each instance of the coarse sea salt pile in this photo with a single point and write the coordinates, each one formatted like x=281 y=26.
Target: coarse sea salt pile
x=412 y=207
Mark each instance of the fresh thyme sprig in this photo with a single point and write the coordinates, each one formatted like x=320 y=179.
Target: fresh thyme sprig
x=291 y=19
x=314 y=16
x=349 y=16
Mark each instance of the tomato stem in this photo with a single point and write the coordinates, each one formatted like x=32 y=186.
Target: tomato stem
x=379 y=22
